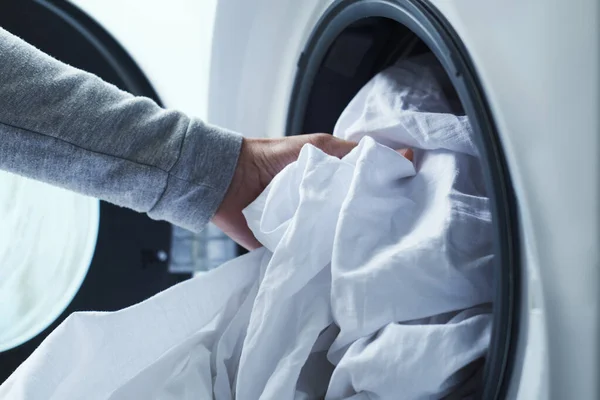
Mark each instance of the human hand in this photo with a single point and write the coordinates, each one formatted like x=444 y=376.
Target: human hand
x=260 y=160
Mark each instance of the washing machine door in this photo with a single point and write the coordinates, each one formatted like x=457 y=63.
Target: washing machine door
x=68 y=34
x=126 y=267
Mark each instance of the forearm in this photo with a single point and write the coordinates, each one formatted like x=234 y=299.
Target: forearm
x=71 y=129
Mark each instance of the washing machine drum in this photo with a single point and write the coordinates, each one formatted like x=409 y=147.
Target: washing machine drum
x=354 y=41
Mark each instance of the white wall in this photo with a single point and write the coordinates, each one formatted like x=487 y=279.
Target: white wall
x=170 y=40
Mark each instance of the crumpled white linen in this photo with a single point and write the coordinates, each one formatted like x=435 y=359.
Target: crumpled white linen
x=374 y=282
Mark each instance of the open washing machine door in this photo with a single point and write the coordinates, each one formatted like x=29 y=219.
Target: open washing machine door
x=126 y=267
x=286 y=68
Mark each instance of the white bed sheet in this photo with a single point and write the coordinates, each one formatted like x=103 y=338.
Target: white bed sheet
x=374 y=282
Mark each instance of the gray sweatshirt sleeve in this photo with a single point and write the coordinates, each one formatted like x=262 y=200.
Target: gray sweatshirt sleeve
x=69 y=128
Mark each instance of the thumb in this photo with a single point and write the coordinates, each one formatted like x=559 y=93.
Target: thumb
x=339 y=147
x=407 y=153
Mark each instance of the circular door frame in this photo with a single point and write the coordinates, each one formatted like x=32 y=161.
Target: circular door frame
x=134 y=79
x=424 y=20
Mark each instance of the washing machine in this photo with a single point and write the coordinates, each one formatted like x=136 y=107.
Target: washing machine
x=526 y=73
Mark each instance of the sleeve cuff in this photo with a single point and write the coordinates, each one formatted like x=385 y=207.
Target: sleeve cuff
x=198 y=181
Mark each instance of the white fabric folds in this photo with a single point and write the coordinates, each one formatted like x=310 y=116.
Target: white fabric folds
x=375 y=281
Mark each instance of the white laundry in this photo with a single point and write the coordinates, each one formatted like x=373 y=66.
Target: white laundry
x=374 y=282
x=413 y=250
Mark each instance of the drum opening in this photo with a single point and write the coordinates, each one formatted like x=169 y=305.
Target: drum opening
x=355 y=40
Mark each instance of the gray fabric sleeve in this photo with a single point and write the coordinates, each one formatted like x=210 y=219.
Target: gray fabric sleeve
x=69 y=128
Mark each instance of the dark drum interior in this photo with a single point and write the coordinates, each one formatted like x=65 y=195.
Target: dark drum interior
x=363 y=49
x=354 y=41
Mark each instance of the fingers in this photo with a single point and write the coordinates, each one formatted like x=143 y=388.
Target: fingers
x=407 y=153
x=331 y=145
x=234 y=225
x=339 y=147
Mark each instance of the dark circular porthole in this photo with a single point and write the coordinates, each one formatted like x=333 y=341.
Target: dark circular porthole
x=128 y=242
x=356 y=39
